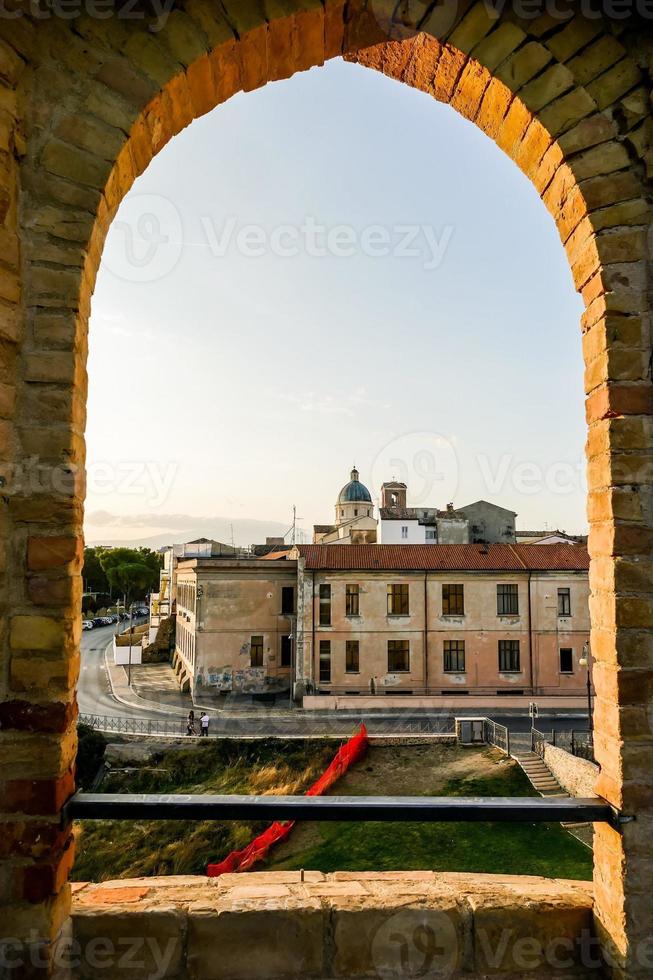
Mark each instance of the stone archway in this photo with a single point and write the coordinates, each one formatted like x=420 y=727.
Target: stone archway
x=84 y=106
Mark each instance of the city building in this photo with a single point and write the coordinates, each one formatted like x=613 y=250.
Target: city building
x=480 y=522
x=442 y=619
x=234 y=625
x=550 y=537
x=162 y=602
x=355 y=522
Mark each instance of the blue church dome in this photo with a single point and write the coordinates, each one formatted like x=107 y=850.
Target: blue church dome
x=354 y=492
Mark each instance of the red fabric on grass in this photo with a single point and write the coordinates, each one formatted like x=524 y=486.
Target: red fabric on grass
x=238 y=861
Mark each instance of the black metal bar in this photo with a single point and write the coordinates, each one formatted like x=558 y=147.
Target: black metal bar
x=146 y=806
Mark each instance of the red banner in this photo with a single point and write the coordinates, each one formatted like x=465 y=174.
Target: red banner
x=238 y=861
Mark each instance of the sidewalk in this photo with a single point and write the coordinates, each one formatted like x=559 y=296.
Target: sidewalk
x=157 y=682
x=123 y=693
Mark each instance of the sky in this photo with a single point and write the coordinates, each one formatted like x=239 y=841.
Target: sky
x=334 y=269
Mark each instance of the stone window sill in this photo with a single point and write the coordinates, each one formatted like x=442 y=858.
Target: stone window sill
x=203 y=921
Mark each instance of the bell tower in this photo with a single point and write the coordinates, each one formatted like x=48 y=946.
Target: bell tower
x=393 y=496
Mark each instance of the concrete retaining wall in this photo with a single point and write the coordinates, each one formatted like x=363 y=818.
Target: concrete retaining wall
x=366 y=702
x=577 y=776
x=121 y=654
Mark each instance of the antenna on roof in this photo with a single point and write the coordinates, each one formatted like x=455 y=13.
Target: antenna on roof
x=294 y=524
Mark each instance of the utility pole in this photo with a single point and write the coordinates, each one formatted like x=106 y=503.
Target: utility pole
x=129 y=664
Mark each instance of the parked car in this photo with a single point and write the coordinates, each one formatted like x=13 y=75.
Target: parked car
x=98 y=621
x=87 y=624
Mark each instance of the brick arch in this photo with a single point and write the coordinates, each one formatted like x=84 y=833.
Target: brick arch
x=86 y=107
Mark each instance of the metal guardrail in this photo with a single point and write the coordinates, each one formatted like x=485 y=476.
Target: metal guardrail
x=108 y=724
x=539 y=740
x=146 y=806
x=578 y=743
x=497 y=735
x=135 y=726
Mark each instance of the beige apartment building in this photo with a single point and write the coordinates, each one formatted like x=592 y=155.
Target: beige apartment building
x=234 y=619
x=468 y=619
x=442 y=619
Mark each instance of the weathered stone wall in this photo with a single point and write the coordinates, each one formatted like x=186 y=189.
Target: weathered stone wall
x=85 y=103
x=271 y=925
x=577 y=776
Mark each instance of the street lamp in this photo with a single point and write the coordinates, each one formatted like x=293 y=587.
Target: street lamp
x=585 y=662
x=291 y=638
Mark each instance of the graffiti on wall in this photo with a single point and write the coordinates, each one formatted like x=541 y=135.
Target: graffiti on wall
x=245 y=680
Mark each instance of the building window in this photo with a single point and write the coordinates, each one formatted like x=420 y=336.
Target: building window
x=564 y=602
x=352 y=659
x=286 y=651
x=287 y=600
x=404 y=532
x=398 y=600
x=355 y=511
x=453 y=600
x=566 y=660
x=509 y=656
x=256 y=651
x=352 y=600
x=398 y=656
x=431 y=534
x=507 y=600
x=454 y=656
x=325 y=605
x=325 y=661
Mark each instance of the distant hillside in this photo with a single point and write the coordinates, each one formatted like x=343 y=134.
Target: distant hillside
x=245 y=532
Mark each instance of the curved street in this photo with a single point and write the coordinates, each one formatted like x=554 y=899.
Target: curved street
x=95 y=697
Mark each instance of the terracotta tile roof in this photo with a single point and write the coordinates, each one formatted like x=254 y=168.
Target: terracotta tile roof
x=446 y=557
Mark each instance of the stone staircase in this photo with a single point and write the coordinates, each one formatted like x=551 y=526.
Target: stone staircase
x=539 y=774
x=543 y=780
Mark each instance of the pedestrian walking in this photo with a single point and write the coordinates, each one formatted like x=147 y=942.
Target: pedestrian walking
x=204 y=724
x=190 y=727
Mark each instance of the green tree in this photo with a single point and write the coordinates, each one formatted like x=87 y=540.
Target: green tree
x=131 y=571
x=93 y=574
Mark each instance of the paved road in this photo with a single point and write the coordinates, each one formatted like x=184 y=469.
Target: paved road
x=94 y=691
x=95 y=697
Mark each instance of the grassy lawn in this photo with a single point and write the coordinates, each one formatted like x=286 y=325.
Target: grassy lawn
x=499 y=848
x=113 y=849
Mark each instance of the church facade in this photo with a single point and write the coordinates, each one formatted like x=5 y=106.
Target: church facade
x=355 y=522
